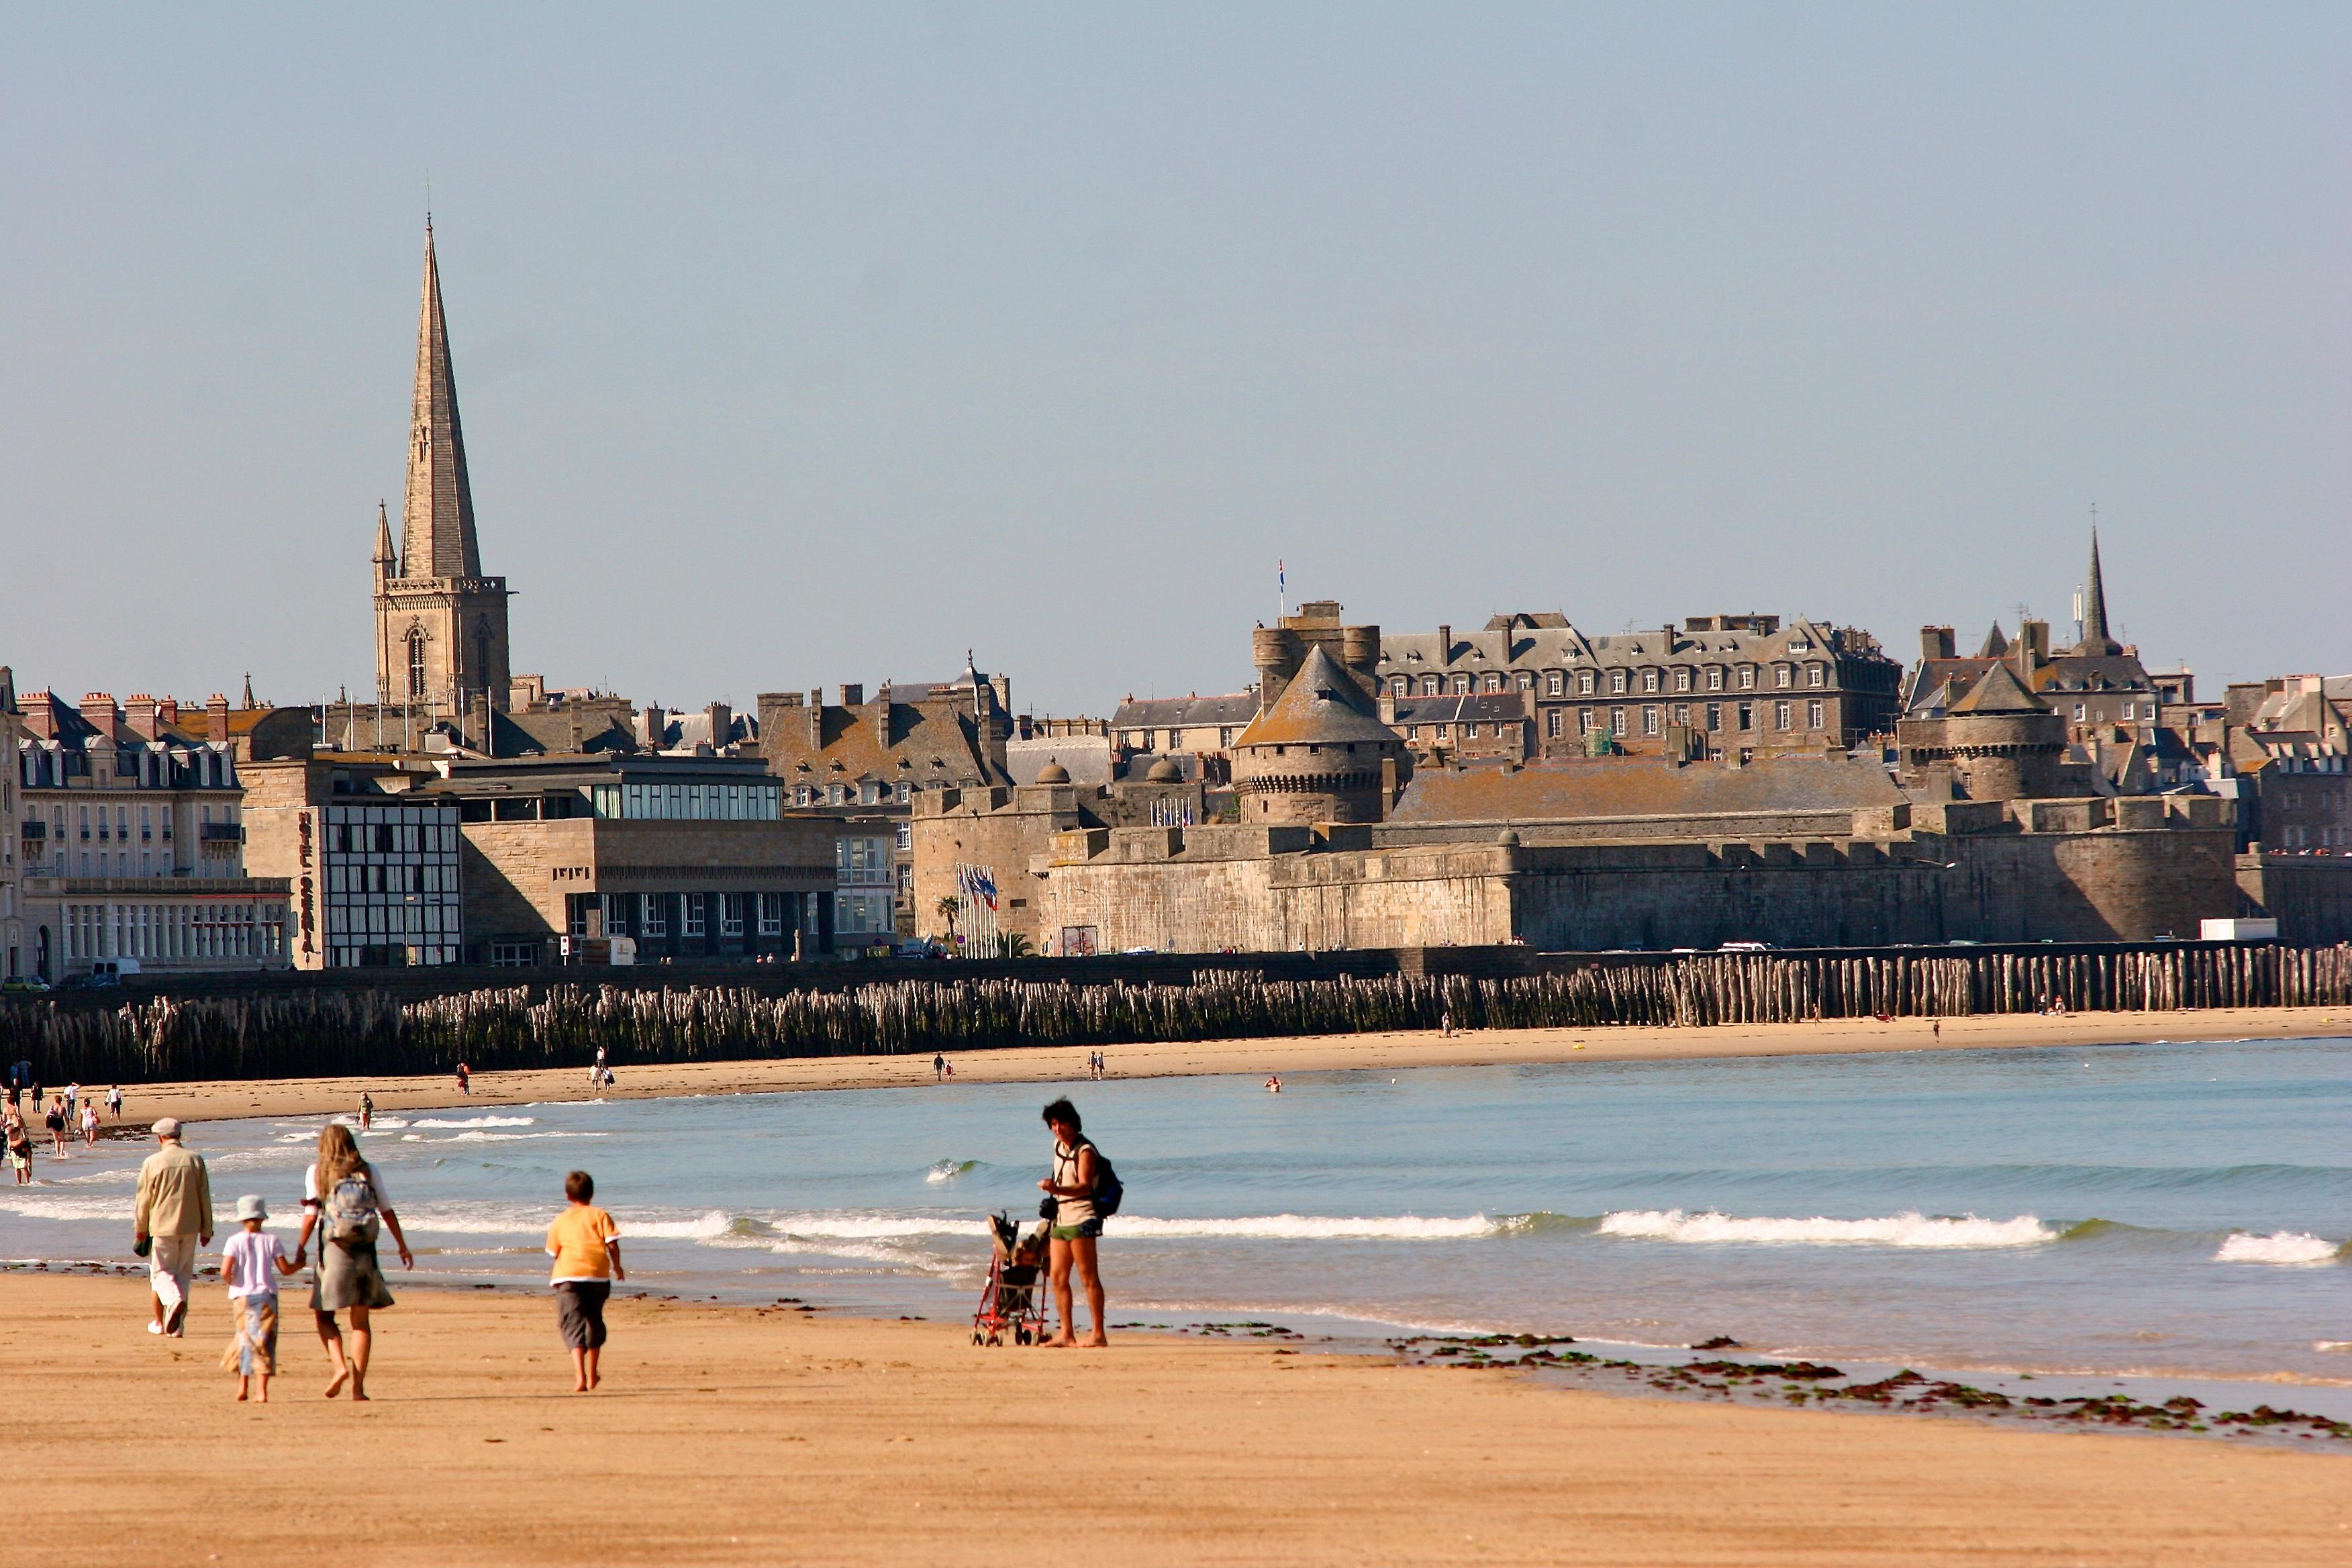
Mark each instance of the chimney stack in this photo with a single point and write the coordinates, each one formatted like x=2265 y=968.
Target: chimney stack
x=217 y=718
x=722 y=724
x=138 y=712
x=1937 y=642
x=853 y=695
x=98 y=710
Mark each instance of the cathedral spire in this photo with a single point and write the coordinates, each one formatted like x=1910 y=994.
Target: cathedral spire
x=437 y=531
x=2095 y=640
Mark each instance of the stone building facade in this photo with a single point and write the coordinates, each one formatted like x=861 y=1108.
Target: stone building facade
x=691 y=858
x=130 y=845
x=1006 y=835
x=12 y=908
x=865 y=761
x=441 y=645
x=1721 y=682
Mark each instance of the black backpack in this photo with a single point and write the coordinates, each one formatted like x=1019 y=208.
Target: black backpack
x=1109 y=1191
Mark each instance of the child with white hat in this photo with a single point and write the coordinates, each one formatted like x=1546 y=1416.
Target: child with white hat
x=251 y=1262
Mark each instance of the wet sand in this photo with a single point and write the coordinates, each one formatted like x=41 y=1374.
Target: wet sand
x=1320 y=1053
x=729 y=1435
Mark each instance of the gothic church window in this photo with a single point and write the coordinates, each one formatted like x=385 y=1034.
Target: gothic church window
x=417 y=681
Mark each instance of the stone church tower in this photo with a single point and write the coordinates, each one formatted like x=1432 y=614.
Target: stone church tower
x=440 y=625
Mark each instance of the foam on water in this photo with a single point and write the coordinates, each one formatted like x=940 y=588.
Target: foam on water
x=38 y=1206
x=1907 y=1229
x=946 y=1170
x=2288 y=1246
x=467 y=1121
x=1308 y=1227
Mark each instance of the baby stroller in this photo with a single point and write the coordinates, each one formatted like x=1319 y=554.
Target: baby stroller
x=1014 y=1299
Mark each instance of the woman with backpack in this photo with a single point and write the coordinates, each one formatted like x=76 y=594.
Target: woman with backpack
x=1082 y=1190
x=344 y=1201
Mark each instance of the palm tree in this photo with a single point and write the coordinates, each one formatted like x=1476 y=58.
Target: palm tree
x=948 y=908
x=1013 y=944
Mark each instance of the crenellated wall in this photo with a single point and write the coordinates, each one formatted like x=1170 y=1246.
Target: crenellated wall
x=2004 y=872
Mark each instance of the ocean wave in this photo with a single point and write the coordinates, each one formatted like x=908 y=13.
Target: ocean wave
x=468 y=1122
x=34 y=1206
x=2279 y=1247
x=1310 y=1227
x=946 y=1170
x=705 y=1227
x=1910 y=1228
x=478 y=1137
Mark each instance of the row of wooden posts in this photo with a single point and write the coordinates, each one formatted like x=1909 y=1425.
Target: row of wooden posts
x=307 y=1034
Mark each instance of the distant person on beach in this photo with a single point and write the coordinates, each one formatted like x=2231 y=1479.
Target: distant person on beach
x=938 y=1068
x=465 y=1078
x=1074 y=1230
x=344 y=1201
x=20 y=1147
x=251 y=1262
x=73 y=1103
x=367 y=1110
x=173 y=1216
x=90 y=1124
x=586 y=1247
x=114 y=1103
x=55 y=1122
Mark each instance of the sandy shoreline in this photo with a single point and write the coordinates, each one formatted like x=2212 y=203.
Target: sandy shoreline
x=285 y=1097
x=732 y=1436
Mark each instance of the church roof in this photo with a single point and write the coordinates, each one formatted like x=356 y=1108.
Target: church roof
x=1321 y=706
x=437 y=520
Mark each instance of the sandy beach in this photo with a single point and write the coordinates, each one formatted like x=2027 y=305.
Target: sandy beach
x=735 y=1435
x=1321 y=1053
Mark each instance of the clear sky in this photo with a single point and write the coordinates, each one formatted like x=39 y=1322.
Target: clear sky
x=804 y=344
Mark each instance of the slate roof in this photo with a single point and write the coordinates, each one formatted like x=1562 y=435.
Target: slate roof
x=1321 y=706
x=1579 y=789
x=1478 y=707
x=928 y=743
x=1537 y=642
x=2000 y=691
x=1186 y=713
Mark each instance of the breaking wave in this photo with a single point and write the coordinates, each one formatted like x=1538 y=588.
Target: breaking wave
x=467 y=1121
x=946 y=1170
x=1313 y=1227
x=1907 y=1229
x=2279 y=1247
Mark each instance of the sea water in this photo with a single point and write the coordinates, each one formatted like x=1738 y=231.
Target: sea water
x=2180 y=1210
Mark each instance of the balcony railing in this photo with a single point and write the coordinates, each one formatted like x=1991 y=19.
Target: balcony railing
x=221 y=832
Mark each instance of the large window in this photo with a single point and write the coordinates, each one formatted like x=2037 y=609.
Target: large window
x=417 y=682
x=639 y=800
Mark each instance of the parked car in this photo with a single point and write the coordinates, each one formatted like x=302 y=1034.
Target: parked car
x=1745 y=947
x=23 y=985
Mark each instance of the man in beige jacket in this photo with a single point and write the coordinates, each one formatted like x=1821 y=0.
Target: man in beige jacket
x=175 y=1212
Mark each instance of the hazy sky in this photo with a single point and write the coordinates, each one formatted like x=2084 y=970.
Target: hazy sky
x=813 y=344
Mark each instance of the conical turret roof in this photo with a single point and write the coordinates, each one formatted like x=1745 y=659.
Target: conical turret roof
x=2000 y=692
x=1996 y=644
x=1322 y=706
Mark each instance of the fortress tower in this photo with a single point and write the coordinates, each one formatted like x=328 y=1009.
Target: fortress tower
x=1319 y=753
x=440 y=625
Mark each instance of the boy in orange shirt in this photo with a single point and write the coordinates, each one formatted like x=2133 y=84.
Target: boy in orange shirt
x=586 y=1246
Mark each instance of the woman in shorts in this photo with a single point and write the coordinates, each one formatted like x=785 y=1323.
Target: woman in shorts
x=1076 y=1229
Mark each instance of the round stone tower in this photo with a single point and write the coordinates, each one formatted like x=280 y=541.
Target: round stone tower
x=2000 y=740
x=1319 y=754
